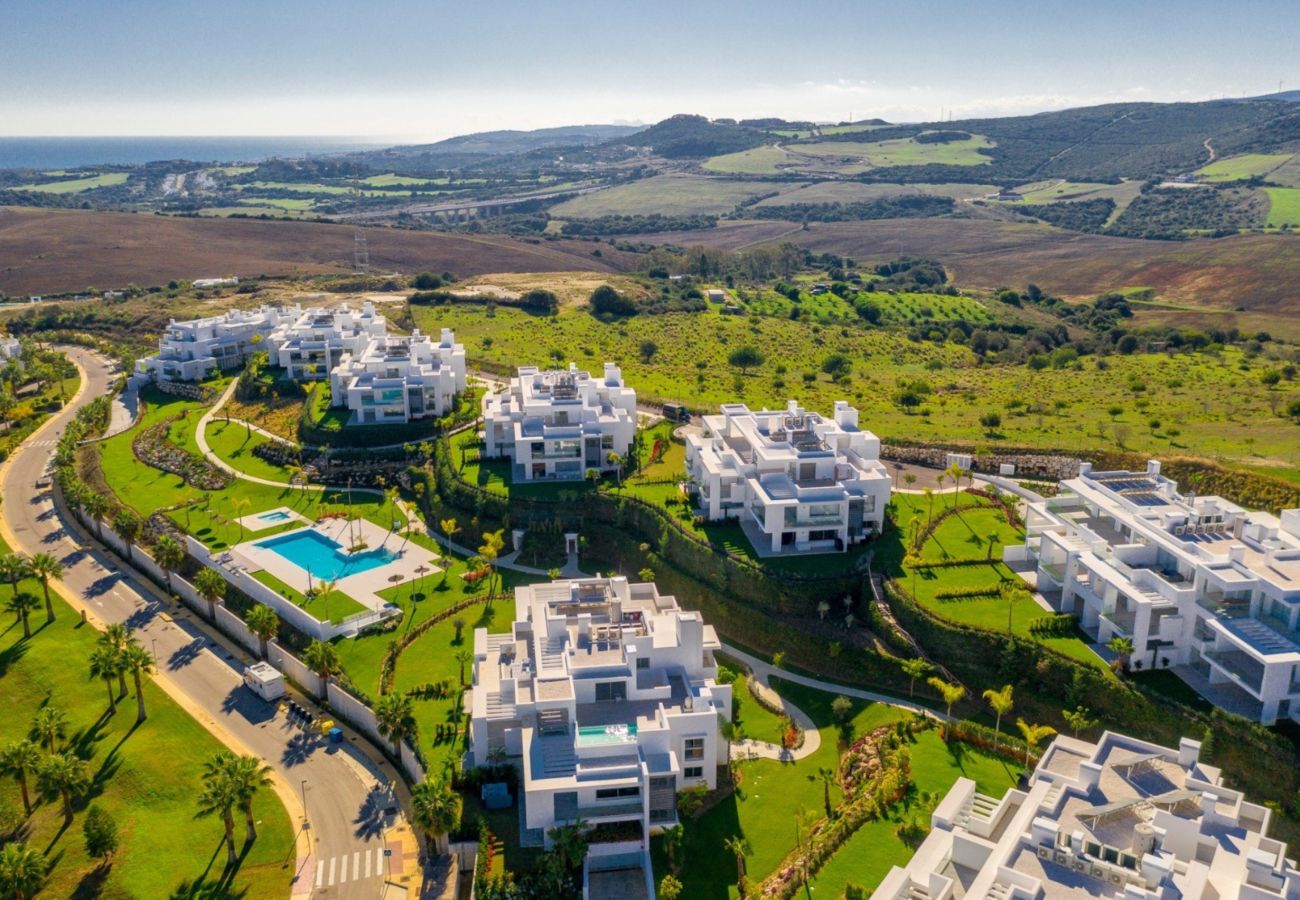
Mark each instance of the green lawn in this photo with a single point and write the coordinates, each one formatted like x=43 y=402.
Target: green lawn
x=754 y=720
x=235 y=444
x=1240 y=168
x=76 y=185
x=1283 y=207
x=165 y=851
x=334 y=606
x=666 y=195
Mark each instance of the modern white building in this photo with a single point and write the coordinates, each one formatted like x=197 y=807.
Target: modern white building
x=1121 y=819
x=1198 y=584
x=10 y=348
x=558 y=424
x=604 y=695
x=204 y=283
x=194 y=349
x=797 y=482
x=310 y=346
x=399 y=379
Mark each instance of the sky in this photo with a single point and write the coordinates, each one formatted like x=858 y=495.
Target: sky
x=412 y=70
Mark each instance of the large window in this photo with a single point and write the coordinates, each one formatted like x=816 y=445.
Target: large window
x=616 y=793
x=610 y=691
x=694 y=748
x=693 y=772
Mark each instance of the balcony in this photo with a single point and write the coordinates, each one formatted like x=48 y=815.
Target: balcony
x=1054 y=571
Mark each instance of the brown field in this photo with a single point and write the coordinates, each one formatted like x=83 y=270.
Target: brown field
x=1260 y=272
x=49 y=251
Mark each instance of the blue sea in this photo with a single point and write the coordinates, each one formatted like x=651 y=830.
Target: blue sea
x=72 y=152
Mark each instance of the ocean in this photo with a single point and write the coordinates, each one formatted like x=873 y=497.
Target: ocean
x=72 y=152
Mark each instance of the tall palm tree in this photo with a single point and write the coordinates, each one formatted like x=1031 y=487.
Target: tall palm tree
x=211 y=587
x=463 y=657
x=220 y=795
x=106 y=663
x=827 y=775
x=45 y=566
x=322 y=659
x=128 y=527
x=435 y=811
x=1033 y=734
x=97 y=506
x=20 y=759
x=570 y=842
x=50 y=726
x=450 y=528
x=739 y=847
x=1001 y=703
x=13 y=569
x=952 y=695
x=929 y=499
x=22 y=871
x=954 y=473
x=250 y=775
x=395 y=716
x=1122 y=647
x=137 y=661
x=117 y=636
x=21 y=605
x=263 y=622
x=674 y=840
x=66 y=775
x=169 y=554
x=915 y=668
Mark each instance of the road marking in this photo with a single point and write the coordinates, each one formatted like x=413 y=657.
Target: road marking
x=343 y=868
x=367 y=863
x=356 y=864
x=320 y=872
x=333 y=861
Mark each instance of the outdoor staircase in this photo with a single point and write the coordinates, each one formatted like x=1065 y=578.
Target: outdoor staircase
x=558 y=759
x=998 y=891
x=1053 y=794
x=917 y=891
x=979 y=807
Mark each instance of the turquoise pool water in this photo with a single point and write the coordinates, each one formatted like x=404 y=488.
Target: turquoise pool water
x=324 y=558
x=606 y=734
x=275 y=515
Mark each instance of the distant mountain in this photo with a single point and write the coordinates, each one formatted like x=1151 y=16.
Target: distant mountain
x=1288 y=96
x=690 y=137
x=501 y=143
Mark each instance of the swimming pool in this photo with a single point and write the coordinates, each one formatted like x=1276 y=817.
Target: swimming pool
x=275 y=515
x=323 y=557
x=607 y=734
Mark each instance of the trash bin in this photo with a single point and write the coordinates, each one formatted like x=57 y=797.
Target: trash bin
x=336 y=735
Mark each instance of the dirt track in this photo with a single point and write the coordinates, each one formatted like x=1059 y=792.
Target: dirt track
x=48 y=251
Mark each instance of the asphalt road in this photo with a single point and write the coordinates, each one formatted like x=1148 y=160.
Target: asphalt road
x=349 y=805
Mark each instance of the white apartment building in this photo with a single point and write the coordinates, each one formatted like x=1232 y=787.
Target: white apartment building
x=10 y=348
x=558 y=424
x=604 y=695
x=797 y=482
x=193 y=350
x=310 y=346
x=1198 y=584
x=400 y=379
x=1121 y=819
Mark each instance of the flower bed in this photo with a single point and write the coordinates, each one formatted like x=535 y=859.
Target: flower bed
x=153 y=447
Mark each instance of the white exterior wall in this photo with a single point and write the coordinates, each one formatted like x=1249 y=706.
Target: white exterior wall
x=400 y=379
x=558 y=424
x=10 y=348
x=194 y=349
x=310 y=346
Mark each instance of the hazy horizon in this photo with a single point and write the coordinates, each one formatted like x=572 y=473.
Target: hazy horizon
x=410 y=71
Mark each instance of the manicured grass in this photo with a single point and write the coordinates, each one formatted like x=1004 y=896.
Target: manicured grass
x=334 y=606
x=1240 y=168
x=754 y=720
x=76 y=185
x=235 y=444
x=666 y=195
x=165 y=850
x=1283 y=207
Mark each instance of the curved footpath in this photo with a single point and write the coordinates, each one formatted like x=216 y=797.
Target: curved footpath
x=339 y=796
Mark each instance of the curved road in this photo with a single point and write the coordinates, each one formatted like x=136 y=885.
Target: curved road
x=352 y=812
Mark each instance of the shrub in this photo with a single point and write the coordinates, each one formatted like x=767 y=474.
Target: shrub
x=607 y=301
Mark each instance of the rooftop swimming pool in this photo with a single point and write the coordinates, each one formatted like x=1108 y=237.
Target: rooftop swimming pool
x=606 y=734
x=324 y=558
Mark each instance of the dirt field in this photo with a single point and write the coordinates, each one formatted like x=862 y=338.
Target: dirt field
x=47 y=251
x=1258 y=271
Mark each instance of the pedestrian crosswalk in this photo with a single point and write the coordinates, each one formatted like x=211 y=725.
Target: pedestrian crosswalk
x=45 y=442
x=355 y=866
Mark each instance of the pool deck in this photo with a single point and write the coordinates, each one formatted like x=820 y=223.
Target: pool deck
x=364 y=587
x=256 y=522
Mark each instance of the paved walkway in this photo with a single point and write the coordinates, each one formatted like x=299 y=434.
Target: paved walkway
x=125 y=408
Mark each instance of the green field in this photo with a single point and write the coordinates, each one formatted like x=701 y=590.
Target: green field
x=1240 y=168
x=288 y=204
x=767 y=160
x=1283 y=207
x=903 y=152
x=389 y=179
x=856 y=192
x=77 y=185
x=165 y=850
x=896 y=309
x=665 y=195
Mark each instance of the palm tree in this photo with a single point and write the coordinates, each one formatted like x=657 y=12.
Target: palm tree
x=954 y=472
x=66 y=775
x=211 y=587
x=952 y=695
x=128 y=526
x=237 y=506
x=263 y=622
x=22 y=871
x=97 y=506
x=1122 y=647
x=21 y=605
x=570 y=843
x=1033 y=734
x=106 y=663
x=323 y=659
x=739 y=847
x=1079 y=719
x=828 y=778
x=929 y=499
x=137 y=661
x=674 y=838
x=250 y=775
x=20 y=759
x=493 y=543
x=462 y=657
x=436 y=811
x=395 y=716
x=50 y=726
x=169 y=554
x=45 y=566
x=1001 y=703
x=13 y=569
x=118 y=636
x=221 y=794
x=915 y=668
x=617 y=462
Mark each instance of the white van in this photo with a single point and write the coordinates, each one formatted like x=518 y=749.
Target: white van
x=264 y=680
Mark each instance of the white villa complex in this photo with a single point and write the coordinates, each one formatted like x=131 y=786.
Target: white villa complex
x=1121 y=819
x=195 y=349
x=1197 y=583
x=311 y=345
x=10 y=348
x=604 y=693
x=796 y=481
x=399 y=379
x=558 y=424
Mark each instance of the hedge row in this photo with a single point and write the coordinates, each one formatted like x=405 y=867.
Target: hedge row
x=1053 y=626
x=986 y=590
